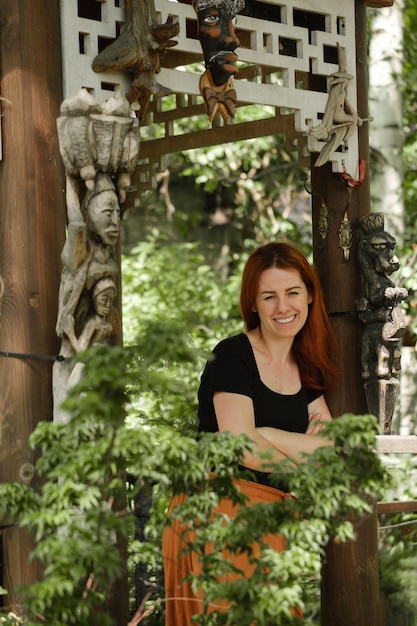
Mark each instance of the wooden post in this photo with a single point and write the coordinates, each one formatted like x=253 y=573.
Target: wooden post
x=350 y=595
x=32 y=230
x=350 y=592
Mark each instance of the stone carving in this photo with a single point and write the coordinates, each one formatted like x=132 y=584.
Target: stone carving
x=100 y=148
x=381 y=312
x=137 y=50
x=340 y=119
x=218 y=39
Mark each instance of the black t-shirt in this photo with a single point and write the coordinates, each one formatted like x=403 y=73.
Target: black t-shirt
x=233 y=369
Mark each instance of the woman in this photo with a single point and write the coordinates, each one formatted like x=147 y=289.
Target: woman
x=267 y=383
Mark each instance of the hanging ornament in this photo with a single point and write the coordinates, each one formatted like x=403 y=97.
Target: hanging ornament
x=216 y=32
x=345 y=231
x=323 y=220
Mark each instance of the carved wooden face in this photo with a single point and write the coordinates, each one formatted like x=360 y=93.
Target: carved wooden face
x=103 y=217
x=381 y=248
x=218 y=39
x=103 y=301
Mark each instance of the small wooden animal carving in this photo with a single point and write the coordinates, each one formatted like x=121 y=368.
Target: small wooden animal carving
x=381 y=312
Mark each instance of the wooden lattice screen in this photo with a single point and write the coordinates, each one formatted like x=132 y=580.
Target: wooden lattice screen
x=288 y=50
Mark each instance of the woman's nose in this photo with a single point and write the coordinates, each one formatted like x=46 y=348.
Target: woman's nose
x=282 y=305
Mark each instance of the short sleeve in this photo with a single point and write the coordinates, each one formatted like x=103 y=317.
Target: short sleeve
x=313 y=394
x=229 y=369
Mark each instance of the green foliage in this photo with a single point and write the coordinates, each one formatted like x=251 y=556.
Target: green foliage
x=398 y=545
x=135 y=407
x=409 y=76
x=79 y=510
x=408 y=82
x=177 y=309
x=334 y=488
x=258 y=182
x=75 y=514
x=409 y=281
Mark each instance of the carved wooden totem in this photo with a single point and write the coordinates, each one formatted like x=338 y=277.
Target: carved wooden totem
x=99 y=145
x=381 y=312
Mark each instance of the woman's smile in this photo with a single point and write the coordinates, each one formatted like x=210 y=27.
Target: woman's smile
x=285 y=320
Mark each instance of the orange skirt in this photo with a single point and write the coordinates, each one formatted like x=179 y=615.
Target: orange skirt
x=181 y=601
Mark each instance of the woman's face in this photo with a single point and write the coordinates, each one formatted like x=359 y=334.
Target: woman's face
x=282 y=302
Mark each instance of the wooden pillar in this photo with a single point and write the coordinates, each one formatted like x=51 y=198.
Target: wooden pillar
x=32 y=231
x=350 y=594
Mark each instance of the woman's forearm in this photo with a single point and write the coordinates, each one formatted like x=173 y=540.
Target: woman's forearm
x=262 y=455
x=292 y=445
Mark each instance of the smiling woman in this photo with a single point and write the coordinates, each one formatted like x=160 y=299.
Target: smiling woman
x=267 y=383
x=282 y=302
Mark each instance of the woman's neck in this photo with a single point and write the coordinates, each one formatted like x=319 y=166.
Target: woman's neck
x=278 y=349
x=275 y=361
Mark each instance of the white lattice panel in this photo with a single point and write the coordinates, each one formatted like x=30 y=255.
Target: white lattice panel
x=81 y=38
x=294 y=40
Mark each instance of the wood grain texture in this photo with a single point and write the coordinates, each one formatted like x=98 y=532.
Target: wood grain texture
x=32 y=230
x=350 y=594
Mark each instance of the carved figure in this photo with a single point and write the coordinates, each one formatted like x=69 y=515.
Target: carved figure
x=340 y=119
x=100 y=148
x=96 y=327
x=218 y=39
x=88 y=253
x=137 y=50
x=99 y=322
x=88 y=259
x=98 y=138
x=74 y=132
x=381 y=312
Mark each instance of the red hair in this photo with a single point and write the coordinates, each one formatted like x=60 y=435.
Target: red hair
x=315 y=346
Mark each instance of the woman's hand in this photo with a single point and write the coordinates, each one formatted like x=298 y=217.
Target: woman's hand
x=318 y=415
x=315 y=423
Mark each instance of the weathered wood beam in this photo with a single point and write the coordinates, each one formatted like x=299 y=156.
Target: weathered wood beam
x=409 y=506
x=379 y=4
x=397 y=444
